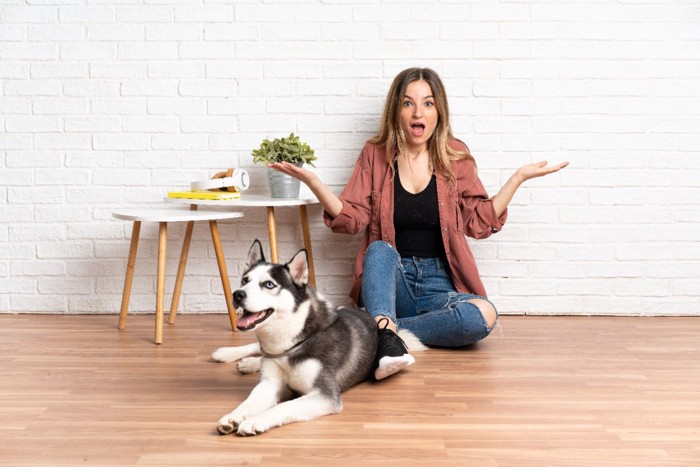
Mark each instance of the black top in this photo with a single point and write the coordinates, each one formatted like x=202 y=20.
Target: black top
x=417 y=221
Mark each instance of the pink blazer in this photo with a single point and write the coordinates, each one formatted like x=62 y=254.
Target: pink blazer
x=465 y=209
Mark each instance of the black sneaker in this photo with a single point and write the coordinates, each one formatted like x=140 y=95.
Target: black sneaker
x=392 y=354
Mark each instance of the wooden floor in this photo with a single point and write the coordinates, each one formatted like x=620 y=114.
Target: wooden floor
x=549 y=391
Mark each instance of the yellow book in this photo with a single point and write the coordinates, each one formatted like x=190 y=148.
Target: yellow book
x=216 y=195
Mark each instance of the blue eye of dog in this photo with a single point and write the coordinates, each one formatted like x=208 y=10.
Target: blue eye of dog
x=269 y=285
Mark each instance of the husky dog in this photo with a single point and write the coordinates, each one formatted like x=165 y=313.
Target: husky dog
x=311 y=352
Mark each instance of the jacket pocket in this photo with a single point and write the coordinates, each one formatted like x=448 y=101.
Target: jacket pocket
x=459 y=221
x=375 y=219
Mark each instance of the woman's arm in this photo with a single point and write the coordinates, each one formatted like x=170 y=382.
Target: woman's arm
x=330 y=202
x=526 y=172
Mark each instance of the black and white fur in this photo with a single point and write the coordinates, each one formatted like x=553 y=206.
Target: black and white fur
x=311 y=352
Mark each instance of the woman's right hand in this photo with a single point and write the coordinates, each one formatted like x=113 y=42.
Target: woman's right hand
x=303 y=175
x=329 y=200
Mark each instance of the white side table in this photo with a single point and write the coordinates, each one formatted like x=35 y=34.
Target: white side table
x=269 y=204
x=163 y=216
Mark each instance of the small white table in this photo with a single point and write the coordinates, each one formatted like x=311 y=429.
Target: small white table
x=269 y=204
x=162 y=217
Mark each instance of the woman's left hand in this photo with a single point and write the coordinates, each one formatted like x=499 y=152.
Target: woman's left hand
x=538 y=169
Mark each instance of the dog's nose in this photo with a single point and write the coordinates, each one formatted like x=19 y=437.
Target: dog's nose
x=238 y=296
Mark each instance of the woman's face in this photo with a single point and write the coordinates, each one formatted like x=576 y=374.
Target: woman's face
x=419 y=116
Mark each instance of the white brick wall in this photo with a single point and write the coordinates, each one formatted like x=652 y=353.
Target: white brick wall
x=112 y=103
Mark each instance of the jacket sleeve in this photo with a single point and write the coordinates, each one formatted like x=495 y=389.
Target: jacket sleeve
x=479 y=217
x=356 y=198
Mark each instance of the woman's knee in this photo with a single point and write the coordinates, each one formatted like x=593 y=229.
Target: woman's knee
x=381 y=251
x=487 y=311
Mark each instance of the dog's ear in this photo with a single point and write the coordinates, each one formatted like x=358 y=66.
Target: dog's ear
x=255 y=254
x=299 y=268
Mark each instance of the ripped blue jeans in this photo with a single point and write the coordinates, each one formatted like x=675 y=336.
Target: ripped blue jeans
x=418 y=295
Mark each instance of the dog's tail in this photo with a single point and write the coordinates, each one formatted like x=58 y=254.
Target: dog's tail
x=412 y=342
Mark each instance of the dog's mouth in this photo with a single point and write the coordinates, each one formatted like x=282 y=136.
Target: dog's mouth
x=249 y=319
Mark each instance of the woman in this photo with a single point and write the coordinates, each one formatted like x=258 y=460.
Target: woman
x=416 y=194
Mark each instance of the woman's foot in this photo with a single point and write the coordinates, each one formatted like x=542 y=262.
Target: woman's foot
x=392 y=354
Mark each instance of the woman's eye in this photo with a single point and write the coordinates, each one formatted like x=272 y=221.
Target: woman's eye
x=429 y=104
x=269 y=285
x=407 y=103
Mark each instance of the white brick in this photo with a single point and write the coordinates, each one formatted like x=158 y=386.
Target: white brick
x=236 y=106
x=115 y=106
x=90 y=14
x=219 y=50
x=34 y=159
x=60 y=286
x=29 y=14
x=208 y=125
x=207 y=88
x=28 y=51
x=179 y=143
x=154 y=87
x=89 y=159
x=90 y=125
x=88 y=51
x=151 y=124
x=204 y=14
x=44 y=177
x=293 y=32
x=161 y=50
x=59 y=70
x=174 y=32
x=61 y=141
x=33 y=124
x=272 y=13
x=119 y=141
x=12 y=34
x=53 y=214
x=146 y=14
x=31 y=232
x=175 y=69
x=176 y=106
x=56 y=32
x=229 y=32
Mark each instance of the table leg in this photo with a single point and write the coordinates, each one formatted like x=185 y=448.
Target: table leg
x=224 y=273
x=160 y=284
x=272 y=232
x=307 y=244
x=130 y=264
x=180 y=272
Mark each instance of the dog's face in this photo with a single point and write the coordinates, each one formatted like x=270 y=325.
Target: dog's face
x=269 y=292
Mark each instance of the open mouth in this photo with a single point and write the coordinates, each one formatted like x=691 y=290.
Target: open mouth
x=417 y=129
x=249 y=319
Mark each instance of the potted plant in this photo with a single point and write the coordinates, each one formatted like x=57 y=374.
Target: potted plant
x=288 y=149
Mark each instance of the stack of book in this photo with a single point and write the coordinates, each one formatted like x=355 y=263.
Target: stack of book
x=215 y=195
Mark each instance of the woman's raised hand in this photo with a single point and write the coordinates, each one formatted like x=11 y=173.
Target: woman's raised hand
x=329 y=200
x=300 y=173
x=538 y=169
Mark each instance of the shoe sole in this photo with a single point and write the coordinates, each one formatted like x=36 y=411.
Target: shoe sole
x=390 y=365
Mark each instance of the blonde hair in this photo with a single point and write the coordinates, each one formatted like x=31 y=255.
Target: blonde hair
x=391 y=136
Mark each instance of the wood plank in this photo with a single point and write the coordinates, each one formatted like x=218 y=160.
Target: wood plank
x=561 y=391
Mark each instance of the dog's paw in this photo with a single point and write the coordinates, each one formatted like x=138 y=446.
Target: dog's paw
x=227 y=425
x=252 y=427
x=249 y=365
x=226 y=354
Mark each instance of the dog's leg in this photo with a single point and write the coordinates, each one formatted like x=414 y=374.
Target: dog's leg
x=264 y=395
x=249 y=365
x=307 y=407
x=231 y=354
